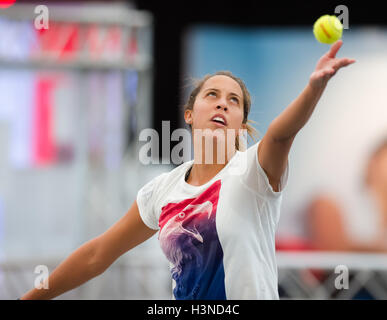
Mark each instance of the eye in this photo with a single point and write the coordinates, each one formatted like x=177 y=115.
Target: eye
x=182 y=215
x=213 y=93
x=235 y=99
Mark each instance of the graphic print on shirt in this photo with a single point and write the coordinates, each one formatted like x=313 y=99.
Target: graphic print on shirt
x=189 y=239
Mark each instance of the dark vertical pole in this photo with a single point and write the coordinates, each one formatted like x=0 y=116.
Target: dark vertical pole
x=166 y=83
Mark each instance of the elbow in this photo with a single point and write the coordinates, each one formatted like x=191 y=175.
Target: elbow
x=96 y=267
x=95 y=262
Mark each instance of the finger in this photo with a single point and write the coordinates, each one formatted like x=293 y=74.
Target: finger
x=343 y=63
x=335 y=48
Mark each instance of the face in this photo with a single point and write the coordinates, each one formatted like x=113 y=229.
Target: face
x=220 y=95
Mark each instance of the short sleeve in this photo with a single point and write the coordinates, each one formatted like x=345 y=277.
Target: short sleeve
x=146 y=198
x=255 y=177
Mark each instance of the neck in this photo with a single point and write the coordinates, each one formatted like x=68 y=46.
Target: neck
x=202 y=173
x=208 y=161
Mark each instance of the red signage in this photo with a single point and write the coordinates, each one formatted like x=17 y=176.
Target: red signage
x=6 y=3
x=65 y=41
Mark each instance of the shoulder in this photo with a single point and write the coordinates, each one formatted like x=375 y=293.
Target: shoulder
x=177 y=172
x=256 y=177
x=250 y=154
x=169 y=177
x=253 y=148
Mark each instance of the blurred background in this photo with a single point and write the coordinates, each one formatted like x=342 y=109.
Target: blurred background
x=74 y=98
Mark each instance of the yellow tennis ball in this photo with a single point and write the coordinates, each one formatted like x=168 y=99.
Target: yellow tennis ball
x=328 y=29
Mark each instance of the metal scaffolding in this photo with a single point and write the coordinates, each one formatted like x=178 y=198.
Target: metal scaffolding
x=332 y=275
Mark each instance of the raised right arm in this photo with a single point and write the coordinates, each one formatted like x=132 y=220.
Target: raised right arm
x=95 y=256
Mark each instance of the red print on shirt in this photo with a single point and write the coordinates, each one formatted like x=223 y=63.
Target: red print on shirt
x=189 y=239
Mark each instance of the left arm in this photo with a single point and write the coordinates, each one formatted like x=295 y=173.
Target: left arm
x=275 y=145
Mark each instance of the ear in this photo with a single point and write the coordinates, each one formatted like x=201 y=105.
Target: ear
x=188 y=116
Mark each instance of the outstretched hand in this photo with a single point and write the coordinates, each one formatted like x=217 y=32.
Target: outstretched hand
x=328 y=65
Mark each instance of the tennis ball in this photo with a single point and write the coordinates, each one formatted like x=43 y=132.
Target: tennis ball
x=328 y=29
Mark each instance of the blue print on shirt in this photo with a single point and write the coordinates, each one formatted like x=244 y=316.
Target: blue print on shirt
x=189 y=239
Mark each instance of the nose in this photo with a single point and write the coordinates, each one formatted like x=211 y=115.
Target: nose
x=220 y=107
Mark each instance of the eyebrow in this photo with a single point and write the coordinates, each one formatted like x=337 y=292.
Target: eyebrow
x=214 y=89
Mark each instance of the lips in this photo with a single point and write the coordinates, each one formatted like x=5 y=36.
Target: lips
x=220 y=119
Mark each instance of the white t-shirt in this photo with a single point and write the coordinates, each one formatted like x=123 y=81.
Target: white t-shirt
x=218 y=237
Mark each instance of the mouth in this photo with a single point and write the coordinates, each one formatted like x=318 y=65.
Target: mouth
x=219 y=120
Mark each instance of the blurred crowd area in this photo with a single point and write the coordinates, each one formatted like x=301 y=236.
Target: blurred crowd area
x=74 y=97
x=73 y=100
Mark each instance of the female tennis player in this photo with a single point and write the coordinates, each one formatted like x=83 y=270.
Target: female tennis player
x=216 y=221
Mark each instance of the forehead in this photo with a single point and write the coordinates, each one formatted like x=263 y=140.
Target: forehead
x=223 y=82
